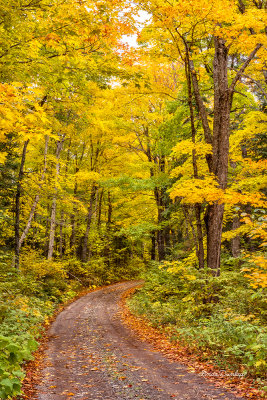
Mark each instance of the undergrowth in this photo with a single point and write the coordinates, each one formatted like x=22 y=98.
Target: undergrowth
x=30 y=296
x=221 y=318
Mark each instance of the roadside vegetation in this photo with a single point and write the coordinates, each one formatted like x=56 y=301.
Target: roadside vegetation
x=117 y=161
x=222 y=319
x=29 y=299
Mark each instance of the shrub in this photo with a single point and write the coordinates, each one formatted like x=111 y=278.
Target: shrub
x=221 y=315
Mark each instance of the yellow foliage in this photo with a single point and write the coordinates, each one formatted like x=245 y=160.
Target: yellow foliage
x=181 y=267
x=21 y=114
x=187 y=146
x=2 y=157
x=84 y=176
x=254 y=124
x=257 y=275
x=197 y=190
x=33 y=264
x=241 y=230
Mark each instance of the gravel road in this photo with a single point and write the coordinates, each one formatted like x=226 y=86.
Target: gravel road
x=91 y=355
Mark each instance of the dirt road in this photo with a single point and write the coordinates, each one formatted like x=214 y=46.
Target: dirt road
x=91 y=355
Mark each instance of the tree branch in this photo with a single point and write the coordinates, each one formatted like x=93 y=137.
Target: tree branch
x=244 y=66
x=256 y=83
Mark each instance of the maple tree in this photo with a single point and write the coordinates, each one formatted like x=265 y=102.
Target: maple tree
x=213 y=55
x=114 y=156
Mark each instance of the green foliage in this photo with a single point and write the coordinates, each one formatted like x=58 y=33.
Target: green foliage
x=101 y=158
x=11 y=356
x=102 y=270
x=27 y=299
x=222 y=318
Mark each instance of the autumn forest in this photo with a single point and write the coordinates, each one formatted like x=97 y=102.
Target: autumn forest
x=133 y=146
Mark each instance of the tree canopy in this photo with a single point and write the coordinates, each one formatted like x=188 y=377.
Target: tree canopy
x=115 y=155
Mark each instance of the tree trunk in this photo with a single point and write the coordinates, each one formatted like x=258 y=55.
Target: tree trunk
x=17 y=204
x=37 y=197
x=235 y=243
x=100 y=208
x=45 y=249
x=109 y=211
x=167 y=241
x=220 y=146
x=73 y=215
x=218 y=163
x=88 y=225
x=52 y=228
x=73 y=230
x=61 y=234
x=199 y=244
x=214 y=219
x=223 y=96
x=153 y=246
x=160 y=243
x=54 y=206
x=160 y=231
x=188 y=219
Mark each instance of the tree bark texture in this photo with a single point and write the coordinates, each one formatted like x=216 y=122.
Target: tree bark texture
x=220 y=154
x=17 y=204
x=218 y=163
x=235 y=243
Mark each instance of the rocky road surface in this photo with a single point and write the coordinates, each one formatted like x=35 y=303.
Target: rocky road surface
x=91 y=355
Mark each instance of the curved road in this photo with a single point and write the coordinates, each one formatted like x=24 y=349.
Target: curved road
x=91 y=355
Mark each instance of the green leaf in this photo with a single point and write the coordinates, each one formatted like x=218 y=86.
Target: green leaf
x=8 y=385
x=4 y=342
x=19 y=374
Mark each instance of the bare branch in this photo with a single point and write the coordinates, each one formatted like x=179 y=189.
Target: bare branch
x=257 y=83
x=244 y=66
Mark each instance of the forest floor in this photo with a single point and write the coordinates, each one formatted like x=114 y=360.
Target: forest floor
x=92 y=354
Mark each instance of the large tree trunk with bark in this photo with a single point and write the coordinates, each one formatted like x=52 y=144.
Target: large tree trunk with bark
x=17 y=204
x=220 y=155
x=214 y=219
x=218 y=163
